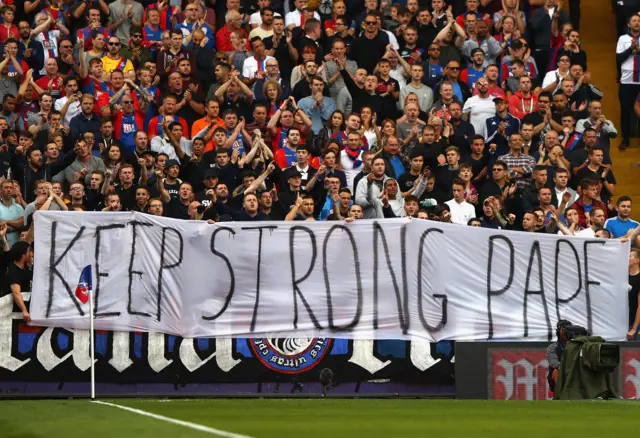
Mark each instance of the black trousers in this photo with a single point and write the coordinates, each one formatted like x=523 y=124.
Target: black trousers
x=627 y=94
x=574 y=13
x=541 y=57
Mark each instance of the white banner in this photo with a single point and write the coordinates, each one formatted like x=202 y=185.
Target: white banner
x=389 y=279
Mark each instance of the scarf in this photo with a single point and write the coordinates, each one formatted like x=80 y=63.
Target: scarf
x=354 y=156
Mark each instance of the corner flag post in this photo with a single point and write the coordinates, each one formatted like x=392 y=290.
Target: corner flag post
x=92 y=347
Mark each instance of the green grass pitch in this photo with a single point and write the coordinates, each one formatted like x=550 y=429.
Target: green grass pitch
x=263 y=418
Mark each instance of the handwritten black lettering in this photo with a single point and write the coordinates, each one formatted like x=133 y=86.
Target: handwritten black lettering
x=254 y=318
x=296 y=282
x=53 y=268
x=232 y=276
x=356 y=265
x=163 y=267
x=564 y=265
x=443 y=297
x=134 y=227
x=490 y=291
x=99 y=274
x=535 y=252
x=588 y=282
x=378 y=233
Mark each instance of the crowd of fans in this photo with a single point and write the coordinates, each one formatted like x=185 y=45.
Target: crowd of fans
x=474 y=112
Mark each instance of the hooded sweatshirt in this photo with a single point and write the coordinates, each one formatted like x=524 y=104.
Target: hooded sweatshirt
x=520 y=106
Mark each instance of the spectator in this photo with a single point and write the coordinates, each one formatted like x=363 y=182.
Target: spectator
x=11 y=213
x=461 y=210
x=424 y=93
x=19 y=275
x=123 y=14
x=223 y=36
x=83 y=166
x=626 y=52
x=634 y=293
x=622 y=224
x=523 y=102
x=479 y=108
x=520 y=164
x=588 y=200
x=370 y=188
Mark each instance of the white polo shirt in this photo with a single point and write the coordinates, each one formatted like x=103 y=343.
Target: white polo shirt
x=462 y=212
x=250 y=66
x=294 y=17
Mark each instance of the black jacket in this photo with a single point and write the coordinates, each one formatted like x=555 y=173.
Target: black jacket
x=360 y=97
x=239 y=215
x=464 y=89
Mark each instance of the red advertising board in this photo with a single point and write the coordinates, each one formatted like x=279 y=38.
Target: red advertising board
x=630 y=363
x=518 y=374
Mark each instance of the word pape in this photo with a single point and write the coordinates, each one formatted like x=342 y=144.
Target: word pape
x=394 y=279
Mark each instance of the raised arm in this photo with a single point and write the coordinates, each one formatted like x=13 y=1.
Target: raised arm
x=260 y=180
x=107 y=183
x=164 y=195
x=39 y=29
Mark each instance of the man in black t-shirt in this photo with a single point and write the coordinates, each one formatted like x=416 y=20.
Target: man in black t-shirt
x=178 y=207
x=20 y=275
x=634 y=292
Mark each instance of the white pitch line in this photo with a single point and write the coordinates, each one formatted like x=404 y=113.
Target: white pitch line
x=188 y=424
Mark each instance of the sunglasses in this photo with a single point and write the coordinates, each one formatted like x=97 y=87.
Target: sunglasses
x=113 y=43
x=370 y=23
x=127 y=101
x=136 y=36
x=453 y=68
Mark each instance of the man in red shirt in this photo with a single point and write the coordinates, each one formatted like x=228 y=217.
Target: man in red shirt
x=169 y=105
x=223 y=36
x=588 y=200
x=51 y=82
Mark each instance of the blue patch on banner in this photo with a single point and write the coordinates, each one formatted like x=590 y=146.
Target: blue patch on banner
x=26 y=342
x=242 y=347
x=444 y=348
x=101 y=344
x=171 y=343
x=203 y=344
x=137 y=345
x=63 y=340
x=392 y=348
x=340 y=346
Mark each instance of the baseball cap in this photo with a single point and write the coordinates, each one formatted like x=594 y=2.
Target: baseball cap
x=212 y=173
x=172 y=163
x=293 y=172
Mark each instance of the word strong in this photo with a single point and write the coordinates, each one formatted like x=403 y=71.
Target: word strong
x=392 y=279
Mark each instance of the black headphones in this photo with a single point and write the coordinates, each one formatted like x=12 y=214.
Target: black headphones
x=562 y=324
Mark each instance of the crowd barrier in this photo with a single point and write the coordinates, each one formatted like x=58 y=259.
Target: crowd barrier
x=55 y=362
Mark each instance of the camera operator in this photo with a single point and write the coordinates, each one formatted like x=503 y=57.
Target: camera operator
x=554 y=352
